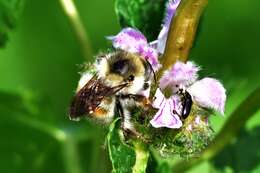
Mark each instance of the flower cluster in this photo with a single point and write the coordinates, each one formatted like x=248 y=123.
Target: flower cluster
x=206 y=93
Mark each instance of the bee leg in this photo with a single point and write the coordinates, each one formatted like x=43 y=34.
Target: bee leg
x=127 y=120
x=135 y=134
x=126 y=125
x=129 y=130
x=120 y=111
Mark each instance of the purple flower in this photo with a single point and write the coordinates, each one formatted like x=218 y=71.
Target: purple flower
x=207 y=93
x=129 y=39
x=166 y=115
x=170 y=12
x=180 y=75
x=151 y=55
x=132 y=40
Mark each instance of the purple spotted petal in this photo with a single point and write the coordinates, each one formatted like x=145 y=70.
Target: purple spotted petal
x=134 y=41
x=159 y=99
x=151 y=55
x=129 y=40
x=170 y=11
x=181 y=74
x=165 y=116
x=209 y=93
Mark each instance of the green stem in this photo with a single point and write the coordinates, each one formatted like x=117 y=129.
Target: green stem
x=235 y=122
x=71 y=12
x=141 y=160
x=70 y=155
x=182 y=33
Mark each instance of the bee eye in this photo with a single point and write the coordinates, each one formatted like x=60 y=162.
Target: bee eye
x=131 y=78
x=120 y=67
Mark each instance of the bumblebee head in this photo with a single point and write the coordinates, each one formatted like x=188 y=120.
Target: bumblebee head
x=122 y=67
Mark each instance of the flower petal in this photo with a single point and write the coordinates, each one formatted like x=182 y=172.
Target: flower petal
x=165 y=116
x=128 y=39
x=209 y=93
x=151 y=55
x=181 y=74
x=159 y=99
x=132 y=40
x=170 y=11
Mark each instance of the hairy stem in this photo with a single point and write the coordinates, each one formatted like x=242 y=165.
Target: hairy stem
x=182 y=33
x=71 y=12
x=236 y=121
x=142 y=155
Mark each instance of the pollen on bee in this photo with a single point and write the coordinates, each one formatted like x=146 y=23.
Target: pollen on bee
x=147 y=101
x=99 y=112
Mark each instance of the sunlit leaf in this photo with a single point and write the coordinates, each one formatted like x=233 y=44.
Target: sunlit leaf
x=121 y=155
x=145 y=15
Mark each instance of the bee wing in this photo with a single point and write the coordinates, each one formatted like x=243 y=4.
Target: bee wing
x=90 y=96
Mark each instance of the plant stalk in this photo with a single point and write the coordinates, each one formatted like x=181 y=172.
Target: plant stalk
x=182 y=33
x=142 y=155
x=72 y=14
x=71 y=156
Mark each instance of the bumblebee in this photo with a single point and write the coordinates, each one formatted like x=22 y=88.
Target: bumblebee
x=122 y=80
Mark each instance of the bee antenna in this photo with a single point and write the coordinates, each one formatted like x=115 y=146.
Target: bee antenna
x=151 y=67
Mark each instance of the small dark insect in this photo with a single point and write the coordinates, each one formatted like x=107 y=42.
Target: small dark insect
x=90 y=96
x=186 y=103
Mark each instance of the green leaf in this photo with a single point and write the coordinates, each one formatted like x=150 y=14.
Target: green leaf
x=24 y=139
x=121 y=155
x=29 y=137
x=145 y=15
x=9 y=12
x=241 y=155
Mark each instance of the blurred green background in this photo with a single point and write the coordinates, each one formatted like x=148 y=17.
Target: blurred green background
x=39 y=68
